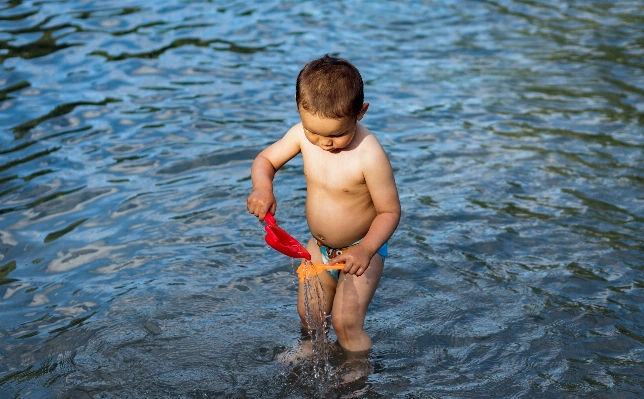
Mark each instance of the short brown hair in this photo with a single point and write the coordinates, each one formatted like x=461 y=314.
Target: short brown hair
x=330 y=87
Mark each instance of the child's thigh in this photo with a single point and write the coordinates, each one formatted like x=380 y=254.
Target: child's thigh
x=353 y=294
x=321 y=286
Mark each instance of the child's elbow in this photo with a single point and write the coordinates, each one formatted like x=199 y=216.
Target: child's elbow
x=398 y=215
x=394 y=214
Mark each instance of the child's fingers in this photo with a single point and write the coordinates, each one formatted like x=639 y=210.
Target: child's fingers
x=257 y=211
x=361 y=271
x=356 y=270
x=262 y=216
x=350 y=267
x=263 y=208
x=253 y=206
x=339 y=260
x=260 y=202
x=354 y=263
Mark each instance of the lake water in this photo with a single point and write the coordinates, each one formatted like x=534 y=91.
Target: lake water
x=129 y=266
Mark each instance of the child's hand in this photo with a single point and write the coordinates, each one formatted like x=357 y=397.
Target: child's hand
x=356 y=260
x=260 y=202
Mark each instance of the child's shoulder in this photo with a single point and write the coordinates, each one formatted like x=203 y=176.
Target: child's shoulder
x=294 y=133
x=366 y=140
x=370 y=151
x=297 y=127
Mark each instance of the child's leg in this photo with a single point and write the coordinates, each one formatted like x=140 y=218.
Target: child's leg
x=352 y=298
x=328 y=284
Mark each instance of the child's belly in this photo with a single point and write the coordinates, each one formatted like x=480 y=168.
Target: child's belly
x=339 y=221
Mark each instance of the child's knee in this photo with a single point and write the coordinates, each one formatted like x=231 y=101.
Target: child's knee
x=342 y=323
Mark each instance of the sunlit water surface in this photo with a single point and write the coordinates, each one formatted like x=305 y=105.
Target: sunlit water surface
x=129 y=266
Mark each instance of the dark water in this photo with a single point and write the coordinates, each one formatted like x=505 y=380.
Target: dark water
x=129 y=266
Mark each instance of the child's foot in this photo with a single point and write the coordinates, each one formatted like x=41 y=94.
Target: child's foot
x=352 y=366
x=295 y=355
x=355 y=370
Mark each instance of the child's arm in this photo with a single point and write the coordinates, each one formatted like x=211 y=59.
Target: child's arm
x=382 y=187
x=262 y=173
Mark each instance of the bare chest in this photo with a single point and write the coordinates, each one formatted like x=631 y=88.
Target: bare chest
x=334 y=174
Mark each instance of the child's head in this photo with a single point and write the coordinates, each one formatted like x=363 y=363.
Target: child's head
x=330 y=87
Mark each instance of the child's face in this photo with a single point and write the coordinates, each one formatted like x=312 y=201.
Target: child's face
x=330 y=134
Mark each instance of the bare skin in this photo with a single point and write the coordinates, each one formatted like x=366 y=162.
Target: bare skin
x=351 y=195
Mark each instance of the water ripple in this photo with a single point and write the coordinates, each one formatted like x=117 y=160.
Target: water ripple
x=129 y=265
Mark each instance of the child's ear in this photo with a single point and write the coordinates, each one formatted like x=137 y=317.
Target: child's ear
x=363 y=111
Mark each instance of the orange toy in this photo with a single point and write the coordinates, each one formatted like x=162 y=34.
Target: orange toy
x=309 y=269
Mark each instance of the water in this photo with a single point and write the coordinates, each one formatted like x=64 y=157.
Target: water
x=314 y=362
x=130 y=268
x=315 y=303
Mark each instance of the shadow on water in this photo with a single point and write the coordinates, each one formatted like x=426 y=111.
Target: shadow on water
x=130 y=267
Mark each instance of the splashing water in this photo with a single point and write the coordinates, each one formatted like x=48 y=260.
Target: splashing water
x=317 y=325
